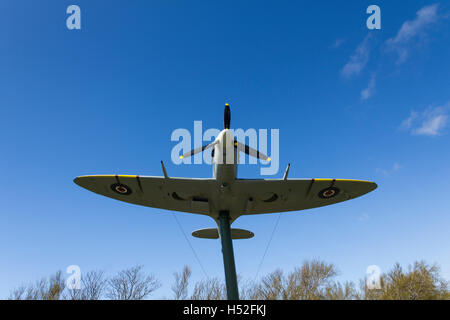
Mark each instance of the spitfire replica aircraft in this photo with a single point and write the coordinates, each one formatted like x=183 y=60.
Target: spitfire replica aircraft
x=224 y=197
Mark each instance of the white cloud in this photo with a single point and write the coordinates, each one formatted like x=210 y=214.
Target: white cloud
x=432 y=126
x=408 y=122
x=337 y=43
x=364 y=217
x=370 y=90
x=387 y=172
x=358 y=59
x=431 y=122
x=412 y=29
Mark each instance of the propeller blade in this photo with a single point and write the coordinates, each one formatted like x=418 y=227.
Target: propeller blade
x=197 y=150
x=250 y=151
x=227 y=117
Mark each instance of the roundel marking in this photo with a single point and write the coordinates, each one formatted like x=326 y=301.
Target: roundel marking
x=329 y=193
x=121 y=189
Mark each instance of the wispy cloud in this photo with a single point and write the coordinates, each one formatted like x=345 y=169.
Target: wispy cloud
x=358 y=59
x=337 y=43
x=364 y=217
x=408 y=122
x=387 y=172
x=412 y=30
x=431 y=122
x=370 y=90
x=433 y=125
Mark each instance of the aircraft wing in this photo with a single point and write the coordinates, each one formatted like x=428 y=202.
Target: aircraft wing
x=249 y=196
x=178 y=194
x=269 y=196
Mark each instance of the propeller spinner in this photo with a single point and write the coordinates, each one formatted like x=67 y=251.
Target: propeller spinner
x=227 y=117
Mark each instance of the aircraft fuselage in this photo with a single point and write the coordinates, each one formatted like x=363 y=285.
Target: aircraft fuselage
x=225 y=159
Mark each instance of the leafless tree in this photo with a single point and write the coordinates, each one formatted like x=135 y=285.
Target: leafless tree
x=270 y=287
x=313 y=280
x=420 y=282
x=18 y=293
x=338 y=291
x=180 y=287
x=45 y=289
x=93 y=285
x=209 y=289
x=131 y=284
x=310 y=281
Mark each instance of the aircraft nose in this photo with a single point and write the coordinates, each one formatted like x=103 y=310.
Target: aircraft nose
x=229 y=138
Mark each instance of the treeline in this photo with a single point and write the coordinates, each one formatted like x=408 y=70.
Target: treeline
x=313 y=280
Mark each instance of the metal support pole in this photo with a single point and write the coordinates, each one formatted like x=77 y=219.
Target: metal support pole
x=228 y=256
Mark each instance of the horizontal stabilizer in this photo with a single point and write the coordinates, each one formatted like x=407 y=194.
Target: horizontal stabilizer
x=213 y=233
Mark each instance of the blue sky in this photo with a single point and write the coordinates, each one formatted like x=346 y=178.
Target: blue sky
x=349 y=103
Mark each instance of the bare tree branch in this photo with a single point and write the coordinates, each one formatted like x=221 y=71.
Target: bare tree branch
x=93 y=285
x=180 y=287
x=132 y=284
x=45 y=289
x=209 y=289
